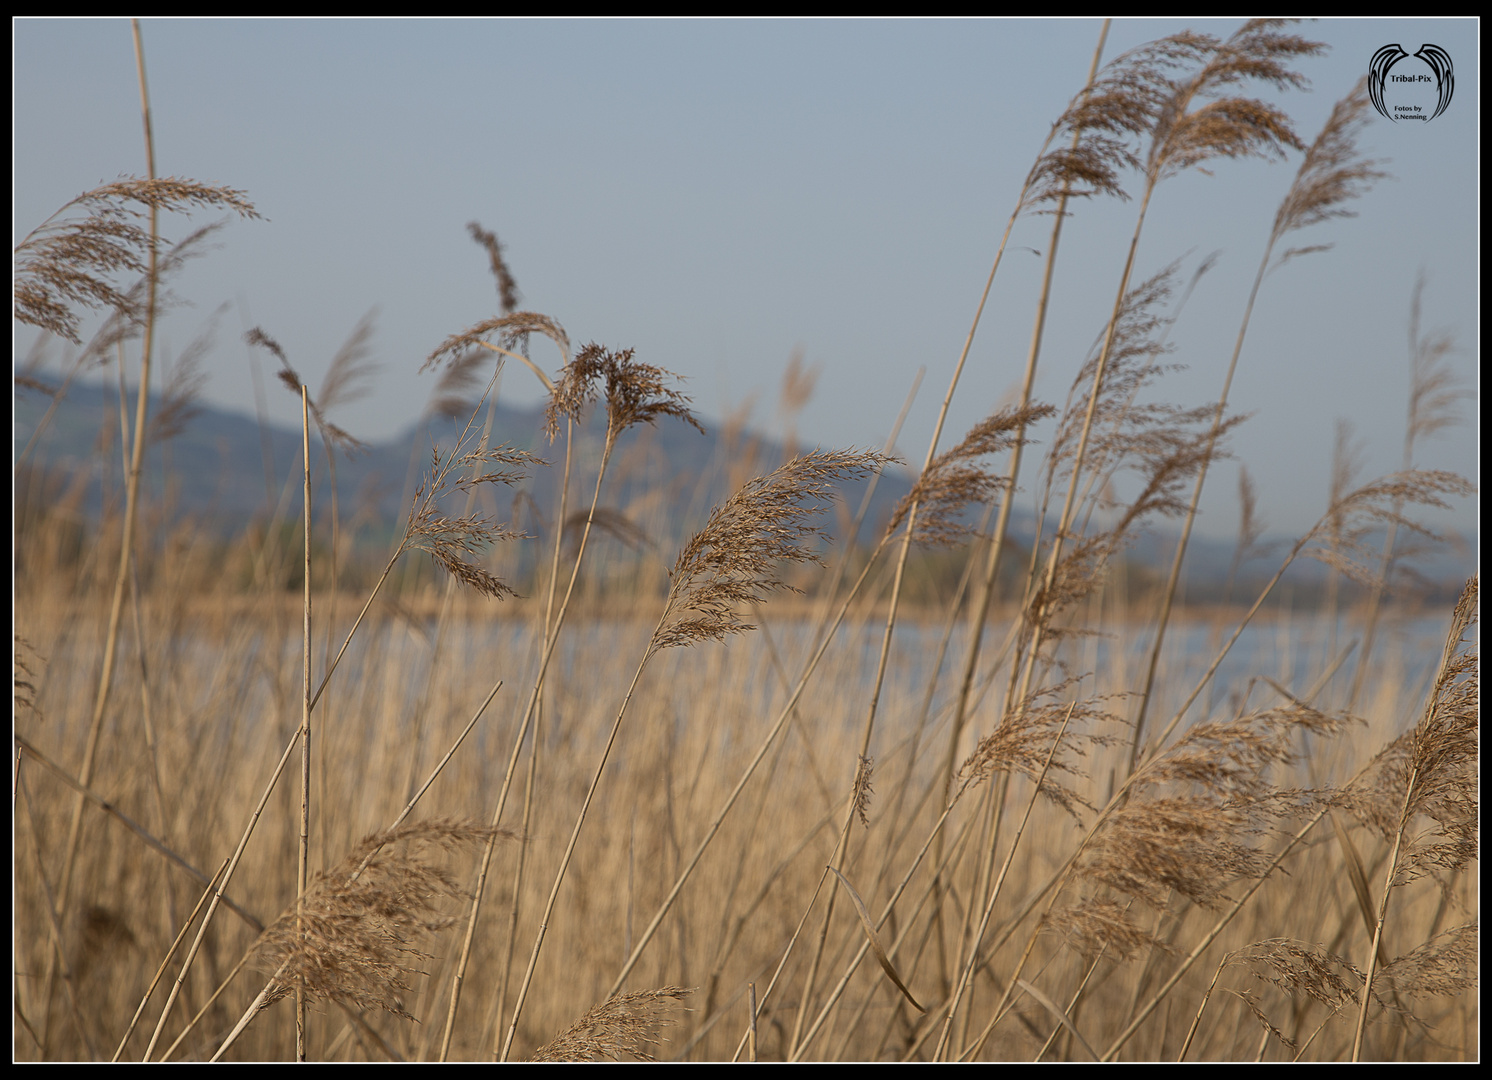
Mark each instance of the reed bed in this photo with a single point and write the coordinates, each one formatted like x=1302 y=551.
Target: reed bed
x=759 y=797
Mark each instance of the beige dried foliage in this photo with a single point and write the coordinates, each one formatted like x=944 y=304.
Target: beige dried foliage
x=864 y=770
x=507 y=288
x=628 y=1024
x=1346 y=464
x=608 y=521
x=954 y=484
x=1444 y=966
x=1164 y=444
x=510 y=330
x=1332 y=174
x=1345 y=538
x=1189 y=823
x=798 y=382
x=354 y=940
x=1124 y=430
x=1427 y=781
x=1134 y=362
x=70 y=261
x=635 y=392
x=28 y=382
x=23 y=690
x=1121 y=106
x=291 y=380
x=1251 y=525
x=1435 y=391
x=1022 y=743
x=1297 y=967
x=1098 y=924
x=1166 y=447
x=455 y=542
x=734 y=559
x=1195 y=123
x=184 y=383
x=1172 y=96
x=455 y=391
x=351 y=373
x=126 y=321
x=1251 y=1001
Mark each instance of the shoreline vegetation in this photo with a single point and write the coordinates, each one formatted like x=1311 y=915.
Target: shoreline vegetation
x=430 y=603
x=277 y=799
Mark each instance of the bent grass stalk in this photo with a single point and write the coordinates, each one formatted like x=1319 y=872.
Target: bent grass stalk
x=989 y=907
x=732 y=561
x=980 y=610
x=398 y=821
x=1331 y=174
x=127 y=537
x=635 y=393
x=1416 y=798
x=423 y=527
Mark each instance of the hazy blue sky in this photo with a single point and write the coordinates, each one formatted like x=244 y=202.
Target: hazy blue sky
x=717 y=194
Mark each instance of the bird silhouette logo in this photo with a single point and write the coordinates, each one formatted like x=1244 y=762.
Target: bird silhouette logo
x=1441 y=70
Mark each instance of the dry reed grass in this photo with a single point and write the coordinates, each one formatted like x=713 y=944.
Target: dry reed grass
x=1080 y=887
x=353 y=939
x=626 y=1024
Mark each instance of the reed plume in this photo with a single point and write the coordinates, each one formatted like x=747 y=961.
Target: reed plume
x=512 y=332
x=1033 y=740
x=185 y=381
x=507 y=287
x=1430 y=773
x=953 y=484
x=636 y=393
x=627 y=1024
x=733 y=560
x=360 y=921
x=1331 y=175
x=455 y=542
x=68 y=262
x=291 y=380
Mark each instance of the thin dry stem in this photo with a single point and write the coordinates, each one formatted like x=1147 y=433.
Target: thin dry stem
x=509 y=329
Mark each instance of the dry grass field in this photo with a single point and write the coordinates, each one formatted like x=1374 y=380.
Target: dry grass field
x=755 y=805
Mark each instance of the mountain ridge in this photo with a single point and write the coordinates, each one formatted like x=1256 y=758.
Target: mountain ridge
x=230 y=470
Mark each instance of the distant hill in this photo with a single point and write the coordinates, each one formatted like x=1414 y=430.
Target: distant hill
x=224 y=469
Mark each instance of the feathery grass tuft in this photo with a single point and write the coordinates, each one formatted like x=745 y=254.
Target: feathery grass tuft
x=353 y=940
x=952 y=484
x=864 y=770
x=68 y=261
x=509 y=329
x=1188 y=824
x=507 y=287
x=1430 y=773
x=453 y=541
x=635 y=392
x=626 y=1024
x=732 y=561
x=291 y=380
x=1332 y=173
